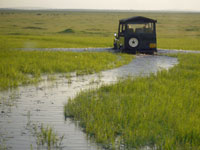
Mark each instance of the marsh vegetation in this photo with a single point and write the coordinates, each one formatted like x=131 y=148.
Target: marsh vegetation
x=22 y=67
x=160 y=111
x=46 y=137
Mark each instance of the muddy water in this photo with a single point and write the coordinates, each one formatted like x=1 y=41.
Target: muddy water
x=43 y=103
x=108 y=49
x=167 y=51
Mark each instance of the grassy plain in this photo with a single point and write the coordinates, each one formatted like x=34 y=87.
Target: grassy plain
x=161 y=111
x=92 y=29
x=31 y=29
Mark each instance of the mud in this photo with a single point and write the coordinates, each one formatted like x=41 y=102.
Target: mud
x=43 y=103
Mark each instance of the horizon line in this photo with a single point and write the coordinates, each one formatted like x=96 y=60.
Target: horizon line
x=100 y=9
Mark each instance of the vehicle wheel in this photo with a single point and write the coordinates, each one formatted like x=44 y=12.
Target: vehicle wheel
x=150 y=53
x=115 y=45
x=133 y=42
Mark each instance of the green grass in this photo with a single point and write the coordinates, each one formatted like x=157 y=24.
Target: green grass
x=46 y=137
x=184 y=43
x=24 y=67
x=54 y=41
x=92 y=29
x=32 y=29
x=160 y=110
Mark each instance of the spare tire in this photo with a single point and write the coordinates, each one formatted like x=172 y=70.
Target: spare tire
x=133 y=43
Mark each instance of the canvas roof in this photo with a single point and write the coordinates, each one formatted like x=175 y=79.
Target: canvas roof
x=137 y=19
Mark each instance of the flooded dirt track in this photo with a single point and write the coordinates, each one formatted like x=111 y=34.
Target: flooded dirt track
x=108 y=49
x=167 y=51
x=43 y=103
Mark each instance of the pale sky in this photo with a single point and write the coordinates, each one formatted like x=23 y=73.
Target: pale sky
x=192 y=5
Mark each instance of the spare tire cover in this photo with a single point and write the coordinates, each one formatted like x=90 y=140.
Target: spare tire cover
x=133 y=42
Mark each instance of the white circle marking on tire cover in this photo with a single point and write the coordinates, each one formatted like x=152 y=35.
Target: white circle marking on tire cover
x=133 y=42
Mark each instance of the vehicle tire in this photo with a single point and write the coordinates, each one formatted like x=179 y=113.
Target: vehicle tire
x=150 y=52
x=115 y=46
x=133 y=43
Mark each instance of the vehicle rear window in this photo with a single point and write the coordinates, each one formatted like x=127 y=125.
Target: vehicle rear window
x=140 y=28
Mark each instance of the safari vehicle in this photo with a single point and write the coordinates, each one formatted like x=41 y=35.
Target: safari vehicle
x=136 y=34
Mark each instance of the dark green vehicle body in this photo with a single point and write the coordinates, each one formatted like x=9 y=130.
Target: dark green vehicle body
x=136 y=34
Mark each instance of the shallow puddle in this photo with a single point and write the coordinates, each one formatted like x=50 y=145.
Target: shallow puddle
x=167 y=51
x=108 y=49
x=44 y=103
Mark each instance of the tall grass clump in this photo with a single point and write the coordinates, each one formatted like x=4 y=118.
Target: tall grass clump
x=23 y=67
x=161 y=111
x=47 y=137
